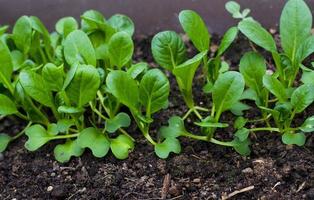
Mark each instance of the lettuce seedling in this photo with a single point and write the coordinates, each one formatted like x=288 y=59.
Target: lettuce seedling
x=71 y=66
x=295 y=35
x=143 y=98
x=194 y=26
x=226 y=91
x=169 y=52
x=260 y=85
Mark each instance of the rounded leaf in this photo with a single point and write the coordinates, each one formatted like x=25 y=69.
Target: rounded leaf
x=294 y=138
x=34 y=85
x=169 y=145
x=7 y=106
x=195 y=28
x=79 y=49
x=122 y=23
x=120 y=48
x=66 y=25
x=154 y=91
x=84 y=85
x=168 y=49
x=4 y=141
x=64 y=152
x=37 y=137
x=227 y=90
x=121 y=146
x=94 y=140
x=118 y=121
x=253 y=68
x=295 y=26
x=124 y=88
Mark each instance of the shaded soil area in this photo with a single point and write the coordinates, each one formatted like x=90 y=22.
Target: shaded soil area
x=201 y=171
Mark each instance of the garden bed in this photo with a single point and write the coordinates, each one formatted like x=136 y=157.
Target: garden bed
x=201 y=171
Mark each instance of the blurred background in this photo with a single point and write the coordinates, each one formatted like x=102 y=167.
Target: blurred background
x=149 y=16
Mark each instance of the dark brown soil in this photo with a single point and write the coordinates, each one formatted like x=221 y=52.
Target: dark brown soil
x=201 y=171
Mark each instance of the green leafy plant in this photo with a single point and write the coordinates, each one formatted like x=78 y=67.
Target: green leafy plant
x=53 y=80
x=296 y=41
x=226 y=91
x=169 y=52
x=295 y=35
x=143 y=98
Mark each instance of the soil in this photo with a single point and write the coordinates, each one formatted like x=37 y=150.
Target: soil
x=201 y=171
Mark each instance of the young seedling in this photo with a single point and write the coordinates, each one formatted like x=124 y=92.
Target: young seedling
x=143 y=98
x=295 y=34
x=71 y=84
x=226 y=91
x=194 y=26
x=169 y=52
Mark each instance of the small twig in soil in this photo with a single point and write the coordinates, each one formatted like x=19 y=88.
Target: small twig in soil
x=224 y=197
x=278 y=183
x=301 y=187
x=165 y=186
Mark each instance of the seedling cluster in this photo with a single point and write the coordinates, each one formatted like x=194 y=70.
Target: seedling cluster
x=80 y=85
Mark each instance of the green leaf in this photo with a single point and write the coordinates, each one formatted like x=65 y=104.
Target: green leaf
x=52 y=129
x=84 y=85
x=169 y=145
x=243 y=147
x=305 y=49
x=64 y=125
x=238 y=108
x=293 y=138
x=64 y=152
x=209 y=124
x=308 y=125
x=53 y=76
x=122 y=23
x=168 y=49
x=121 y=146
x=22 y=34
x=34 y=85
x=94 y=140
x=124 y=88
x=233 y=8
x=174 y=129
x=295 y=26
x=7 y=106
x=66 y=25
x=120 y=48
x=154 y=90
x=37 y=137
x=6 y=64
x=227 y=40
x=93 y=21
x=253 y=68
x=4 y=141
x=3 y=29
x=18 y=59
x=242 y=134
x=185 y=72
x=195 y=28
x=240 y=122
x=118 y=121
x=275 y=87
x=79 y=49
x=302 y=97
x=257 y=34
x=138 y=68
x=227 y=90
x=70 y=110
